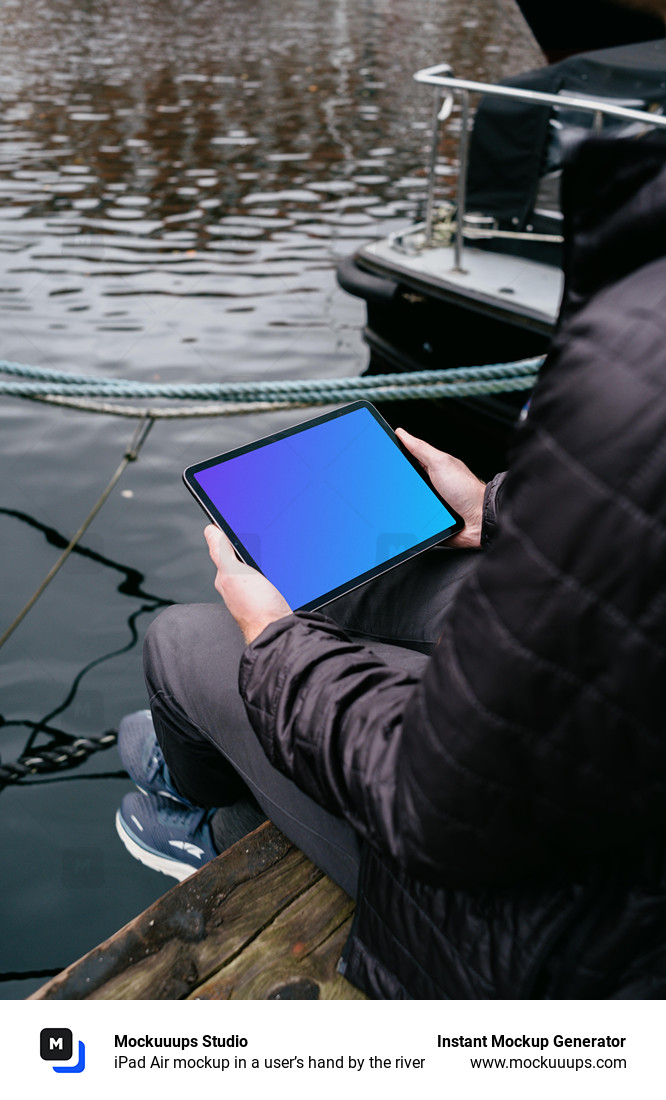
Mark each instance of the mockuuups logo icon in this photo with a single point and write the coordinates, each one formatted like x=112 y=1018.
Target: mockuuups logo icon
x=56 y=1045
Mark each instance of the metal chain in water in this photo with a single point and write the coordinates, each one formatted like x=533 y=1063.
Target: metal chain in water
x=50 y=760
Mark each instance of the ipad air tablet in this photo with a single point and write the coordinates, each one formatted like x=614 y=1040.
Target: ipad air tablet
x=325 y=505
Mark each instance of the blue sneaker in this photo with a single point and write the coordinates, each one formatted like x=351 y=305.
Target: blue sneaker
x=170 y=838
x=142 y=757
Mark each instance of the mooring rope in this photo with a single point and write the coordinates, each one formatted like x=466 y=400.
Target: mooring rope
x=278 y=389
x=234 y=398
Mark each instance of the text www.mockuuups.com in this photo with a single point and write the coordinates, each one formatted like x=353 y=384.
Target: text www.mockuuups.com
x=542 y=1061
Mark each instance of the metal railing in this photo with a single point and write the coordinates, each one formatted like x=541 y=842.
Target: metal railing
x=447 y=86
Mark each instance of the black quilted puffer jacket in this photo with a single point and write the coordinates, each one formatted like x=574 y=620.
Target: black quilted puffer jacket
x=513 y=801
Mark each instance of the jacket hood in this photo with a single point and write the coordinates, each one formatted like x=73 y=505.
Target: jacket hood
x=614 y=206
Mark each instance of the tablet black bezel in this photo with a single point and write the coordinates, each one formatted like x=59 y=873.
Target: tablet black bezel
x=218 y=519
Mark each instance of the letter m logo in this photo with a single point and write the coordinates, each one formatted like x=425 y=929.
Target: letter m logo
x=55 y=1044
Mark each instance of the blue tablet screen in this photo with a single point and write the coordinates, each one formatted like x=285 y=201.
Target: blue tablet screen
x=325 y=506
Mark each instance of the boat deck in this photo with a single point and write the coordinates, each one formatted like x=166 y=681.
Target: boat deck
x=505 y=285
x=260 y=922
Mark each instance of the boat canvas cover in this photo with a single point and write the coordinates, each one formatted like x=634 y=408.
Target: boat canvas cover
x=571 y=26
x=510 y=139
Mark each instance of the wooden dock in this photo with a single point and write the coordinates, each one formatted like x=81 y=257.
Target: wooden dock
x=259 y=922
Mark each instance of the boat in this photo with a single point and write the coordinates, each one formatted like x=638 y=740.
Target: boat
x=479 y=278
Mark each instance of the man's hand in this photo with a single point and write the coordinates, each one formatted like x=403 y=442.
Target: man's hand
x=455 y=482
x=252 y=600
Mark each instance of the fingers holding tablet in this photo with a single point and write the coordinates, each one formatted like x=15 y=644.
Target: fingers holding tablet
x=454 y=481
x=223 y=552
x=250 y=597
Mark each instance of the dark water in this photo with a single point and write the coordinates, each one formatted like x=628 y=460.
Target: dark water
x=177 y=181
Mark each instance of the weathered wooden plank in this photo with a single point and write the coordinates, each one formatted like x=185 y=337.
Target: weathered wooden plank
x=198 y=946
x=181 y=915
x=204 y=924
x=295 y=957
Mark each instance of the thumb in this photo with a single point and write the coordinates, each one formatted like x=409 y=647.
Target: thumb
x=422 y=451
x=219 y=547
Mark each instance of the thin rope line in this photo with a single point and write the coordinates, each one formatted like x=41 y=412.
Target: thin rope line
x=138 y=439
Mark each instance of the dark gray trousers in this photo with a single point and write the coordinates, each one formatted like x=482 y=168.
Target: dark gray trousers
x=191 y=659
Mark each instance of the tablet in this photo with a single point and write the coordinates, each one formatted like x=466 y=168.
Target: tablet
x=325 y=505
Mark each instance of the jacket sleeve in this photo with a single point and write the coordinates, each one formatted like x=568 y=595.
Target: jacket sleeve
x=492 y=498
x=328 y=713
x=415 y=766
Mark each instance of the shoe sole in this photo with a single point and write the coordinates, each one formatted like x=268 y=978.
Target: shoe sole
x=154 y=860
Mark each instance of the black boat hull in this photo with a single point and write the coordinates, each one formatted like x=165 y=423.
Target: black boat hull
x=408 y=329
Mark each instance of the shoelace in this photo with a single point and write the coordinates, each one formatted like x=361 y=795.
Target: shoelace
x=155 y=763
x=172 y=815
